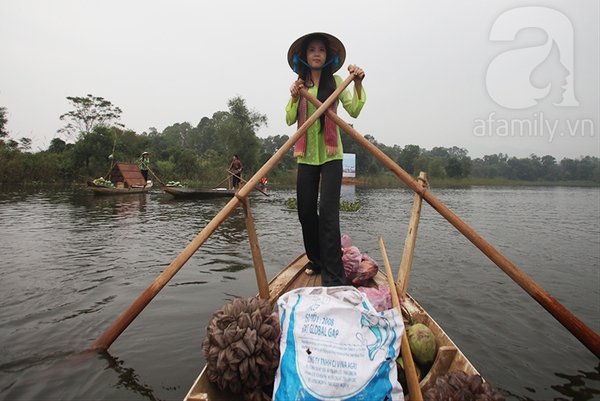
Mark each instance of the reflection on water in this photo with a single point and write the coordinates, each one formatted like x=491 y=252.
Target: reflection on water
x=73 y=262
x=128 y=378
x=583 y=386
x=348 y=193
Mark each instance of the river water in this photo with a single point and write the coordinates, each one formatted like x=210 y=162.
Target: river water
x=72 y=262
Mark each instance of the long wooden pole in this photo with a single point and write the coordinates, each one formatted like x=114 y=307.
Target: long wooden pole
x=414 y=389
x=579 y=329
x=410 y=242
x=257 y=260
x=115 y=330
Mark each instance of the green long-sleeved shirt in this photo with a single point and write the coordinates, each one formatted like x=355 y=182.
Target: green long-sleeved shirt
x=142 y=161
x=316 y=151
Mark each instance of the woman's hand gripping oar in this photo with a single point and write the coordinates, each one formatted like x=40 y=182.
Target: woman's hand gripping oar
x=414 y=388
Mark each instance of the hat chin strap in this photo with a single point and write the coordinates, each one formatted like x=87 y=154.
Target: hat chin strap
x=335 y=60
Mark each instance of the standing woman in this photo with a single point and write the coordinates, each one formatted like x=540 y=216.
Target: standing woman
x=315 y=57
x=144 y=163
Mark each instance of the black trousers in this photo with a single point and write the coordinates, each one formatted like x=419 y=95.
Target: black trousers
x=321 y=229
x=236 y=181
x=145 y=174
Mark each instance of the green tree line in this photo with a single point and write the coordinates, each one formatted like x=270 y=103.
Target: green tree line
x=201 y=153
x=456 y=164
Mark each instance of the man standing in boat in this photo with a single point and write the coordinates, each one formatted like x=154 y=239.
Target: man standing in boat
x=236 y=169
x=144 y=163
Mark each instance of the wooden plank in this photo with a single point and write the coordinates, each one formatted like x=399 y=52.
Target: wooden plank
x=443 y=360
x=284 y=279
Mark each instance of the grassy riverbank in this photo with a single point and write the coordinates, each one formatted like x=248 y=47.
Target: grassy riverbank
x=392 y=181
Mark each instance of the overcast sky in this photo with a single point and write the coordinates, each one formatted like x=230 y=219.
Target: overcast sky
x=517 y=77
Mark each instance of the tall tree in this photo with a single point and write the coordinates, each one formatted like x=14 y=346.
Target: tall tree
x=408 y=156
x=178 y=135
x=587 y=169
x=25 y=143
x=272 y=144
x=454 y=168
x=550 y=170
x=466 y=165
x=420 y=164
x=90 y=111
x=91 y=151
x=436 y=167
x=57 y=145
x=239 y=132
x=3 y=122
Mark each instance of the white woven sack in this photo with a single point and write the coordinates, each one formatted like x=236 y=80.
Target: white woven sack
x=336 y=346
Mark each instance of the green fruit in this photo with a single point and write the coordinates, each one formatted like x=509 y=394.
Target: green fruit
x=422 y=343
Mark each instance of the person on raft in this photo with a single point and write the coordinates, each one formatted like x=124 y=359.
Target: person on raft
x=315 y=57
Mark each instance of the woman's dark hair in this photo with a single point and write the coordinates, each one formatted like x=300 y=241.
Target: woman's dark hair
x=327 y=83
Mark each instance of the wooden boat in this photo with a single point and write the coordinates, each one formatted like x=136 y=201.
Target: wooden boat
x=449 y=358
x=104 y=190
x=197 y=193
x=126 y=178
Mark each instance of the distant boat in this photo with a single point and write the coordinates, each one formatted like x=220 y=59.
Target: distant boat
x=123 y=178
x=197 y=193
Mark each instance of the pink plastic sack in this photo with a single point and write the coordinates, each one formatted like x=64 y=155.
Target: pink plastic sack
x=368 y=269
x=359 y=267
x=379 y=297
x=346 y=242
x=351 y=258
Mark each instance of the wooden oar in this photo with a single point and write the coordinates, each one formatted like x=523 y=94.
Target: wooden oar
x=111 y=334
x=225 y=179
x=152 y=172
x=244 y=181
x=579 y=329
x=412 y=379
